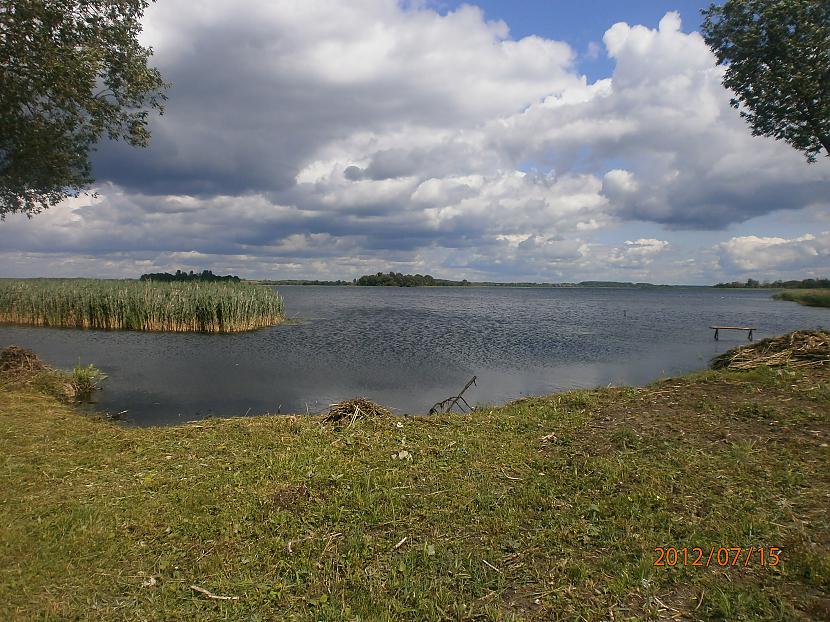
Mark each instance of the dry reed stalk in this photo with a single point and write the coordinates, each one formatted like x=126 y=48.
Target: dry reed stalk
x=16 y=361
x=800 y=349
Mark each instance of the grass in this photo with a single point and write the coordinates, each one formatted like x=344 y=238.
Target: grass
x=544 y=509
x=808 y=297
x=139 y=305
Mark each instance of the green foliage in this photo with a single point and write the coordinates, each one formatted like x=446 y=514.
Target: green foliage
x=205 y=276
x=71 y=71
x=338 y=282
x=139 y=305
x=777 y=57
x=396 y=279
x=803 y=284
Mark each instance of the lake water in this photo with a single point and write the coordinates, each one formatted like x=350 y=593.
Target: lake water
x=409 y=348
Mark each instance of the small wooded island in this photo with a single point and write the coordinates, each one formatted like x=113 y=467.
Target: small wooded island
x=397 y=279
x=205 y=276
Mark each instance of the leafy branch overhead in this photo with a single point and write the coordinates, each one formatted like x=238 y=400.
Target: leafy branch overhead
x=72 y=72
x=777 y=58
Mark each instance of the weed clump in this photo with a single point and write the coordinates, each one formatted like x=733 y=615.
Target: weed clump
x=85 y=380
x=20 y=368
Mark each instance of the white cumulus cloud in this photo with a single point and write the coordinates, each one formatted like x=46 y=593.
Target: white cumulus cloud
x=326 y=138
x=753 y=253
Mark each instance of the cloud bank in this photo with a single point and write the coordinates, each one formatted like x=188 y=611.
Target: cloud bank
x=329 y=139
x=753 y=253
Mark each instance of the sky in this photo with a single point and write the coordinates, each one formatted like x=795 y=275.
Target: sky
x=548 y=141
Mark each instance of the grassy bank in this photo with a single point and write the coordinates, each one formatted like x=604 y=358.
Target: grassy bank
x=808 y=297
x=136 y=305
x=544 y=509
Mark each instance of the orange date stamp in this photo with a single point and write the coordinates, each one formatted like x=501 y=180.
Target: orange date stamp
x=722 y=557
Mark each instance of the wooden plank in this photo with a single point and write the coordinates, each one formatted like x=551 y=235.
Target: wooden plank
x=731 y=328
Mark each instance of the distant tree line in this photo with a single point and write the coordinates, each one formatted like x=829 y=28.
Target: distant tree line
x=396 y=279
x=306 y=282
x=617 y=284
x=204 y=276
x=592 y=284
x=803 y=284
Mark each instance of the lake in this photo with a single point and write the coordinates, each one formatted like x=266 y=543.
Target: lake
x=409 y=348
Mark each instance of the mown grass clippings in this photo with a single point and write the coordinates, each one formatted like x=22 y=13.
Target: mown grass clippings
x=484 y=521
x=221 y=307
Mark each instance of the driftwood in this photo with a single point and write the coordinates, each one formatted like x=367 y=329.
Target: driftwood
x=445 y=406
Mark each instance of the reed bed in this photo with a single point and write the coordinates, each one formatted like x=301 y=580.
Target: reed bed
x=137 y=305
x=807 y=297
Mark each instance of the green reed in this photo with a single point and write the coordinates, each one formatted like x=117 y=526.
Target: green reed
x=807 y=297
x=136 y=305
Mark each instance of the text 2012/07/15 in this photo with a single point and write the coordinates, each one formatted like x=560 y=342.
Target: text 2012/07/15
x=718 y=556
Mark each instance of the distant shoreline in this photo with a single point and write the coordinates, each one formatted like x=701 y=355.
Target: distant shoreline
x=584 y=285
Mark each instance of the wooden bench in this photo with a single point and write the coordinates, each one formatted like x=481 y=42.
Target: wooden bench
x=717 y=330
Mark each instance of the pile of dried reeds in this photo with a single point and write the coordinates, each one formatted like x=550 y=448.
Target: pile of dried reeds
x=803 y=348
x=357 y=408
x=17 y=363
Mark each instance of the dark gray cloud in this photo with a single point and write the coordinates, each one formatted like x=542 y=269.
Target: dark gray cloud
x=258 y=91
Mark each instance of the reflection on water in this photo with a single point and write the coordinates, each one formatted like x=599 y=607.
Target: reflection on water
x=409 y=348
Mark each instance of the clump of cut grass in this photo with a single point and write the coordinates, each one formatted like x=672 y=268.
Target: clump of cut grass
x=139 y=305
x=357 y=408
x=807 y=297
